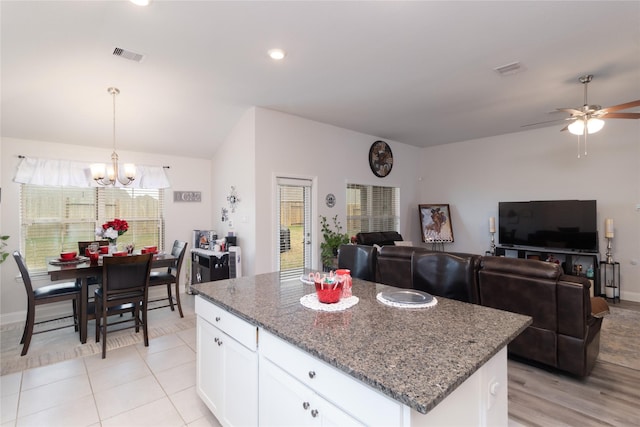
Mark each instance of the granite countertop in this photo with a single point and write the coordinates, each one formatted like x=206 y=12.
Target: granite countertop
x=415 y=356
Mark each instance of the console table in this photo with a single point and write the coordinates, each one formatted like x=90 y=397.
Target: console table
x=610 y=279
x=567 y=266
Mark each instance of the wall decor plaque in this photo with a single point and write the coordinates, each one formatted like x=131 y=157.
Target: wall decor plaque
x=187 y=196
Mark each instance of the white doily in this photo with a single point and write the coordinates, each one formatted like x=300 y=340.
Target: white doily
x=431 y=303
x=311 y=301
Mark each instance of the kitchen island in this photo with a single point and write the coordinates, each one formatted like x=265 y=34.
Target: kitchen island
x=264 y=359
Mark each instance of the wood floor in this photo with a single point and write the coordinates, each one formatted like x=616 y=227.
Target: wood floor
x=610 y=396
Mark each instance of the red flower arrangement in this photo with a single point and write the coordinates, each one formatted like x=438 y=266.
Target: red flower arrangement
x=111 y=230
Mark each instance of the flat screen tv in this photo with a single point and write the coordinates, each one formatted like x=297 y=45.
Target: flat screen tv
x=564 y=225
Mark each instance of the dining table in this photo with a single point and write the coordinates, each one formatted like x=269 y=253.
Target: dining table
x=82 y=269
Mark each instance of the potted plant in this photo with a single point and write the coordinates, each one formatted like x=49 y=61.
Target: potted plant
x=3 y=243
x=333 y=238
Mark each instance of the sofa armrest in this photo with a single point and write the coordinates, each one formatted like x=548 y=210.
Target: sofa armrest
x=574 y=306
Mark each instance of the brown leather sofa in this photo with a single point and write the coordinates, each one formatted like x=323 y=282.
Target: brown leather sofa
x=564 y=334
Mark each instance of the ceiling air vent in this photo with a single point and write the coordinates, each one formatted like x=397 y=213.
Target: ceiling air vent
x=508 y=69
x=127 y=54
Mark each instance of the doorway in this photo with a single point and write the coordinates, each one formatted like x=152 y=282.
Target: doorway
x=294 y=226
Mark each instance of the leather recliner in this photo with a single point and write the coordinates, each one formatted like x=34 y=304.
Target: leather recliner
x=447 y=275
x=359 y=259
x=563 y=334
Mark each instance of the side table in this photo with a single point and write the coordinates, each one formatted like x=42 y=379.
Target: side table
x=610 y=275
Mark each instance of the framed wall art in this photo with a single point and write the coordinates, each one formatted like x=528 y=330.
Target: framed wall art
x=435 y=223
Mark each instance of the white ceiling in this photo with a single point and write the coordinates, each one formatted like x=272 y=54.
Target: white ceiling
x=415 y=72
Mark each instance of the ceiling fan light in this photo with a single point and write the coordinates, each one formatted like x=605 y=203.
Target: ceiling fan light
x=577 y=127
x=594 y=125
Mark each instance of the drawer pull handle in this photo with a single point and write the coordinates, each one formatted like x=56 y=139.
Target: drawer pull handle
x=305 y=405
x=217 y=318
x=312 y=374
x=314 y=413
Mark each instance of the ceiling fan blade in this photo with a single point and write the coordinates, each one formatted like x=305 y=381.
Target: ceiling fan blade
x=570 y=111
x=623 y=106
x=564 y=128
x=541 y=123
x=621 y=116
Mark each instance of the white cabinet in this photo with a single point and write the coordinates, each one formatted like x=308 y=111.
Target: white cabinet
x=302 y=380
x=285 y=401
x=297 y=389
x=227 y=365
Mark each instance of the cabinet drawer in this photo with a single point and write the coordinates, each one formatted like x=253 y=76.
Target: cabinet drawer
x=356 y=398
x=239 y=329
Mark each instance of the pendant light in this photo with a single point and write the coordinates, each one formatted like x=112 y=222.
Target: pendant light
x=107 y=175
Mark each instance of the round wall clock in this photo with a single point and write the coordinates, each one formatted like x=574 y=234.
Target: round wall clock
x=380 y=159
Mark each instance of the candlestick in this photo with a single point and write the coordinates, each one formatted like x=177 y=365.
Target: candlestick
x=493 y=244
x=608 y=254
x=608 y=228
x=492 y=224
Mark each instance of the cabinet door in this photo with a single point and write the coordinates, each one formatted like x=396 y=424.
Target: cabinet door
x=240 y=383
x=284 y=401
x=330 y=415
x=209 y=366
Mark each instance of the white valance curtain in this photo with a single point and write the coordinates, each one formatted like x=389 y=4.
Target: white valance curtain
x=67 y=173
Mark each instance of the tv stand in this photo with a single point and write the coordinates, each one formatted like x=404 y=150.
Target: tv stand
x=567 y=259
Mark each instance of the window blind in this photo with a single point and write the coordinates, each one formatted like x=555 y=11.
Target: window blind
x=54 y=219
x=372 y=208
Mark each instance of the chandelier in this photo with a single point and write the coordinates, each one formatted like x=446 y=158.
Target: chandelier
x=107 y=175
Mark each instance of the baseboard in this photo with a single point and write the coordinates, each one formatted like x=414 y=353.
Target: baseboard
x=43 y=312
x=630 y=296
x=51 y=311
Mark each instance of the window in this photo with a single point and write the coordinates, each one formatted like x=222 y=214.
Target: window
x=54 y=219
x=372 y=208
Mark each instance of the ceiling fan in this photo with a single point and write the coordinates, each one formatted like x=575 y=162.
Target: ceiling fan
x=588 y=118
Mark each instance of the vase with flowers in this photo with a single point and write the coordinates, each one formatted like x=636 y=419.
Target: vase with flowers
x=111 y=230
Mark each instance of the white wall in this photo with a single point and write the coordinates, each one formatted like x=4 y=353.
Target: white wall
x=473 y=176
x=234 y=165
x=294 y=147
x=185 y=174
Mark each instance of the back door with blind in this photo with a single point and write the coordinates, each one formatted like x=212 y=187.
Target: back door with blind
x=294 y=226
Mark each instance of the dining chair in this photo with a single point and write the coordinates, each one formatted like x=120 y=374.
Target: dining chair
x=125 y=288
x=169 y=277
x=82 y=246
x=85 y=244
x=54 y=292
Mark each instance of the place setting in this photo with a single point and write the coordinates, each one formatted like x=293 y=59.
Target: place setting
x=68 y=258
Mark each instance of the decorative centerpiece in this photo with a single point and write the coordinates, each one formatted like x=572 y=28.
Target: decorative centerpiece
x=111 y=230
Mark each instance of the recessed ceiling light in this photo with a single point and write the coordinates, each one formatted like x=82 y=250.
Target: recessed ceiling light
x=277 y=54
x=141 y=2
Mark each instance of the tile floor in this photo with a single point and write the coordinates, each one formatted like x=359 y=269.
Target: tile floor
x=133 y=386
